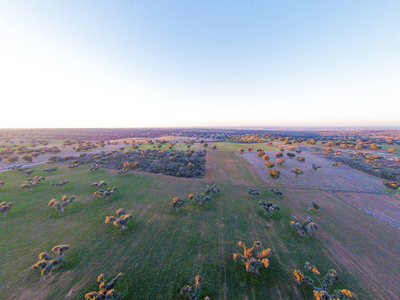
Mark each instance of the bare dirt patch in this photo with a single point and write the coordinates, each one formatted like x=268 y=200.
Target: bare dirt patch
x=365 y=246
x=383 y=207
x=338 y=178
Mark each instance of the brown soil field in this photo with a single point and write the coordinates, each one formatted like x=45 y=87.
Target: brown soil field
x=367 y=247
x=336 y=178
x=360 y=247
x=383 y=207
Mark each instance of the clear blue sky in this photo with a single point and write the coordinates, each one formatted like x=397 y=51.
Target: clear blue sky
x=199 y=63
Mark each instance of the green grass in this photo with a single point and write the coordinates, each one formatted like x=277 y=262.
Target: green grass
x=162 y=250
x=221 y=146
x=28 y=143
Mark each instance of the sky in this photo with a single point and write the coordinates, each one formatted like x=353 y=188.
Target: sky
x=66 y=64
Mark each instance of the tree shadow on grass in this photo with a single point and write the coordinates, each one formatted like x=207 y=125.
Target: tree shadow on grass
x=72 y=258
x=69 y=210
x=132 y=227
x=275 y=216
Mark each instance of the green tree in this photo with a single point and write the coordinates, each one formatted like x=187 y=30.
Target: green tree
x=322 y=286
x=253 y=260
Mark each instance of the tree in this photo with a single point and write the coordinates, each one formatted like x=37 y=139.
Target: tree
x=274 y=174
x=50 y=169
x=270 y=164
x=313 y=205
x=241 y=151
x=94 y=167
x=29 y=172
x=65 y=201
x=336 y=164
x=121 y=220
x=391 y=150
x=105 y=194
x=100 y=184
x=321 y=286
x=269 y=208
x=194 y=293
x=296 y=172
x=265 y=157
x=307 y=228
x=47 y=263
x=291 y=155
x=12 y=159
x=214 y=189
x=252 y=260
x=315 y=167
x=5 y=207
x=214 y=147
x=253 y=192
x=280 y=161
x=202 y=199
x=391 y=185
x=177 y=203
x=32 y=182
x=276 y=191
x=106 y=290
x=60 y=183
x=279 y=154
x=302 y=159
x=27 y=158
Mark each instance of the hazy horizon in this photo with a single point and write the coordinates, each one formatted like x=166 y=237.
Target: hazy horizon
x=199 y=64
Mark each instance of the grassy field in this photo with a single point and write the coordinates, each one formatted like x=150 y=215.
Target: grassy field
x=162 y=250
x=27 y=142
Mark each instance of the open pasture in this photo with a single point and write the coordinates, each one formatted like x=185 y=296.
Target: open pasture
x=221 y=146
x=162 y=250
x=340 y=177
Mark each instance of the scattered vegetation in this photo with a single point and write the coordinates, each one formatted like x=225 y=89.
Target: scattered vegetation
x=253 y=192
x=106 y=290
x=121 y=219
x=315 y=167
x=252 y=260
x=65 y=201
x=274 y=174
x=269 y=208
x=391 y=185
x=5 y=207
x=105 y=194
x=193 y=293
x=32 y=182
x=213 y=189
x=276 y=191
x=60 y=183
x=47 y=263
x=201 y=199
x=297 y=172
x=321 y=286
x=306 y=228
x=177 y=203
x=313 y=205
x=50 y=169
